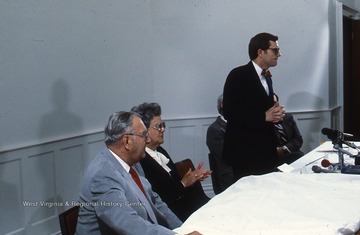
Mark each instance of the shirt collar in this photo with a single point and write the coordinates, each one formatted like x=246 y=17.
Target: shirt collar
x=123 y=164
x=159 y=158
x=257 y=68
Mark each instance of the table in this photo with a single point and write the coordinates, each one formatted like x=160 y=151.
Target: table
x=299 y=202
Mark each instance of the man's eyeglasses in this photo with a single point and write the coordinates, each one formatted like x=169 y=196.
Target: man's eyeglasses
x=159 y=127
x=144 y=135
x=275 y=50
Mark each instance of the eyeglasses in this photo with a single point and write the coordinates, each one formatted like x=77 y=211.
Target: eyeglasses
x=159 y=127
x=275 y=50
x=144 y=135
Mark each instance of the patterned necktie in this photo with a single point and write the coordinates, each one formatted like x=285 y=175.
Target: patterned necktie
x=282 y=137
x=266 y=73
x=136 y=178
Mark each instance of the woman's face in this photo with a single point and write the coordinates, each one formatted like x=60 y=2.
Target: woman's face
x=156 y=132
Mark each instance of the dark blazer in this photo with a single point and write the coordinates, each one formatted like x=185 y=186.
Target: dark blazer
x=294 y=137
x=215 y=141
x=249 y=144
x=112 y=203
x=182 y=201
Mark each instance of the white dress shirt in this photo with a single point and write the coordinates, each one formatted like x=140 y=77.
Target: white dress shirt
x=262 y=78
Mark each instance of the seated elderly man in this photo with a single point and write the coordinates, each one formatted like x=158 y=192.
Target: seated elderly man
x=223 y=173
x=113 y=198
x=180 y=194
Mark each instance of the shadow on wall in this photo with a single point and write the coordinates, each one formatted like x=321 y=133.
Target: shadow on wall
x=50 y=166
x=61 y=121
x=309 y=126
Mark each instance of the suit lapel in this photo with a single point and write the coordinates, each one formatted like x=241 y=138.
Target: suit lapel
x=269 y=83
x=133 y=187
x=139 y=194
x=155 y=215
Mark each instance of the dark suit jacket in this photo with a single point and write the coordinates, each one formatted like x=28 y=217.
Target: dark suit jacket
x=215 y=141
x=294 y=137
x=249 y=144
x=112 y=203
x=182 y=201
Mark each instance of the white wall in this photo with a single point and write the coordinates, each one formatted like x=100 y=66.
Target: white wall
x=67 y=65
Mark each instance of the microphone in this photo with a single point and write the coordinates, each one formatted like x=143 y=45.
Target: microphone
x=339 y=136
x=331 y=166
x=331 y=134
x=317 y=169
x=334 y=134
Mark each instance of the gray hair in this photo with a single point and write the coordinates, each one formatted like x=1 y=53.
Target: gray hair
x=119 y=123
x=147 y=111
x=219 y=102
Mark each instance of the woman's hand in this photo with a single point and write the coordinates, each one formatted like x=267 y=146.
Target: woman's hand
x=192 y=176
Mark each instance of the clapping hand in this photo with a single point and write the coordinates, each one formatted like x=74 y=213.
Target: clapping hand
x=192 y=176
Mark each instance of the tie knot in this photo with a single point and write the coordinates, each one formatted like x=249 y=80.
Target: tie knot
x=133 y=172
x=266 y=73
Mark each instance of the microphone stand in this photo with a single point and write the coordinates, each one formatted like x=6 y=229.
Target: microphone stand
x=351 y=169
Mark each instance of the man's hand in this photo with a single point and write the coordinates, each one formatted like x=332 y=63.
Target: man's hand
x=275 y=114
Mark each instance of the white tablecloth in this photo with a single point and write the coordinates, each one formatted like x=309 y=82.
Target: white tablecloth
x=282 y=203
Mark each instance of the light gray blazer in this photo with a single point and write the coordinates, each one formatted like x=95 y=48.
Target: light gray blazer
x=112 y=203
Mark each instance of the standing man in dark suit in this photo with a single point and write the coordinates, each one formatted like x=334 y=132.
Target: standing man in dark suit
x=113 y=198
x=251 y=112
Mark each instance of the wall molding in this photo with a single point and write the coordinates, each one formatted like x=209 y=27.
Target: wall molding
x=52 y=171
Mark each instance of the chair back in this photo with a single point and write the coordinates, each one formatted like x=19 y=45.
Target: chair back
x=68 y=221
x=183 y=167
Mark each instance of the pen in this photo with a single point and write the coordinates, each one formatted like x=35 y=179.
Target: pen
x=314 y=161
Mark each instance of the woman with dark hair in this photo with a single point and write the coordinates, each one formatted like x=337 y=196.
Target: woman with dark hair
x=180 y=194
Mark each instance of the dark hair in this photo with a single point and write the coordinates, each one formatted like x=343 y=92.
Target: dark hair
x=147 y=111
x=260 y=41
x=119 y=123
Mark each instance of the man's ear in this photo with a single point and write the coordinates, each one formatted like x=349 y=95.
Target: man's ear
x=126 y=141
x=260 y=53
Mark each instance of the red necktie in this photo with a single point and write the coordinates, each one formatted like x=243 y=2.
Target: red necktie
x=266 y=73
x=160 y=219
x=136 y=178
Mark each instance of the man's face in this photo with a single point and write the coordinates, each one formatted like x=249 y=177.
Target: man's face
x=270 y=56
x=138 y=141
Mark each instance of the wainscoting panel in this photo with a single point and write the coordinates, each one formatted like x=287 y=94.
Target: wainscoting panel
x=310 y=126
x=69 y=171
x=182 y=139
x=187 y=139
x=38 y=182
x=10 y=196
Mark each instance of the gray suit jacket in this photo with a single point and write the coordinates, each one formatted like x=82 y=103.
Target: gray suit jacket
x=112 y=203
x=215 y=141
